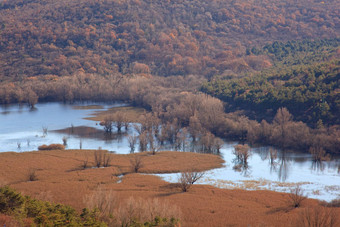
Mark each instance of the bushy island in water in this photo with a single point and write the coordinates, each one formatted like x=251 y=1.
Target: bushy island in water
x=263 y=72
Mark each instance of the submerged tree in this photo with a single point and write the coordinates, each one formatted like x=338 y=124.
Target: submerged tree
x=107 y=123
x=132 y=139
x=281 y=121
x=242 y=153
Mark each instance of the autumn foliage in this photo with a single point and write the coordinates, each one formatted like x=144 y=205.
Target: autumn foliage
x=151 y=37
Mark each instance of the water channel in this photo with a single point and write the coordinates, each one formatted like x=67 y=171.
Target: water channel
x=23 y=129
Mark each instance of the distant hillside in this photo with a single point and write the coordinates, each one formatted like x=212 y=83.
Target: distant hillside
x=305 y=78
x=174 y=37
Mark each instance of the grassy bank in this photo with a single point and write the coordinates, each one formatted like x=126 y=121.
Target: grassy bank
x=60 y=177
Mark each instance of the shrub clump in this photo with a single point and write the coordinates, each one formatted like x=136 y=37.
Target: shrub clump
x=51 y=147
x=133 y=212
x=16 y=208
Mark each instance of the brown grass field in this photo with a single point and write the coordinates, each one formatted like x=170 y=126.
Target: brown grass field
x=62 y=179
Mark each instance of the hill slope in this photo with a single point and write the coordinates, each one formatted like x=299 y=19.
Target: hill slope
x=40 y=37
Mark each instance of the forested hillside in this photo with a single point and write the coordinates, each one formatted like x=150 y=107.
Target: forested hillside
x=304 y=79
x=40 y=37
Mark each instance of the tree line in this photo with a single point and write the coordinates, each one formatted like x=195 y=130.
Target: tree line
x=175 y=104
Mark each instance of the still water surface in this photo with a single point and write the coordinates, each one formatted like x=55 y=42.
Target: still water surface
x=20 y=125
x=21 y=129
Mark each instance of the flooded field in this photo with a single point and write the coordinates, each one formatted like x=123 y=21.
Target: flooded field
x=23 y=129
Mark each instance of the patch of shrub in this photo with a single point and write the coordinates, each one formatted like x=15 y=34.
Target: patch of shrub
x=10 y=200
x=51 y=147
x=32 y=176
x=132 y=212
x=16 y=208
x=296 y=196
x=147 y=212
x=136 y=164
x=105 y=202
x=102 y=158
x=318 y=216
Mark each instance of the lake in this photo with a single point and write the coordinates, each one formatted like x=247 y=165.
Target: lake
x=22 y=129
x=21 y=125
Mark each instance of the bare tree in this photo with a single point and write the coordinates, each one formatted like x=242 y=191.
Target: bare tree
x=126 y=124
x=45 y=129
x=32 y=98
x=64 y=140
x=138 y=128
x=163 y=134
x=98 y=158
x=296 y=196
x=107 y=123
x=187 y=179
x=170 y=130
x=118 y=120
x=218 y=144
x=242 y=153
x=102 y=158
x=143 y=141
x=106 y=160
x=85 y=162
x=281 y=120
x=207 y=142
x=195 y=128
x=136 y=163
x=318 y=154
x=132 y=139
x=181 y=140
x=153 y=145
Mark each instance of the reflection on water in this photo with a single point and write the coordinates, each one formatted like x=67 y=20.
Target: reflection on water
x=274 y=170
x=318 y=166
x=24 y=130
x=284 y=164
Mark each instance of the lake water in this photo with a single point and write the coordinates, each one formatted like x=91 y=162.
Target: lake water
x=20 y=125
x=21 y=129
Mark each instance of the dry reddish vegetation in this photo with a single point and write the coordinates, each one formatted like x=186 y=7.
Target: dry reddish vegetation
x=51 y=147
x=131 y=113
x=86 y=132
x=60 y=178
x=158 y=37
